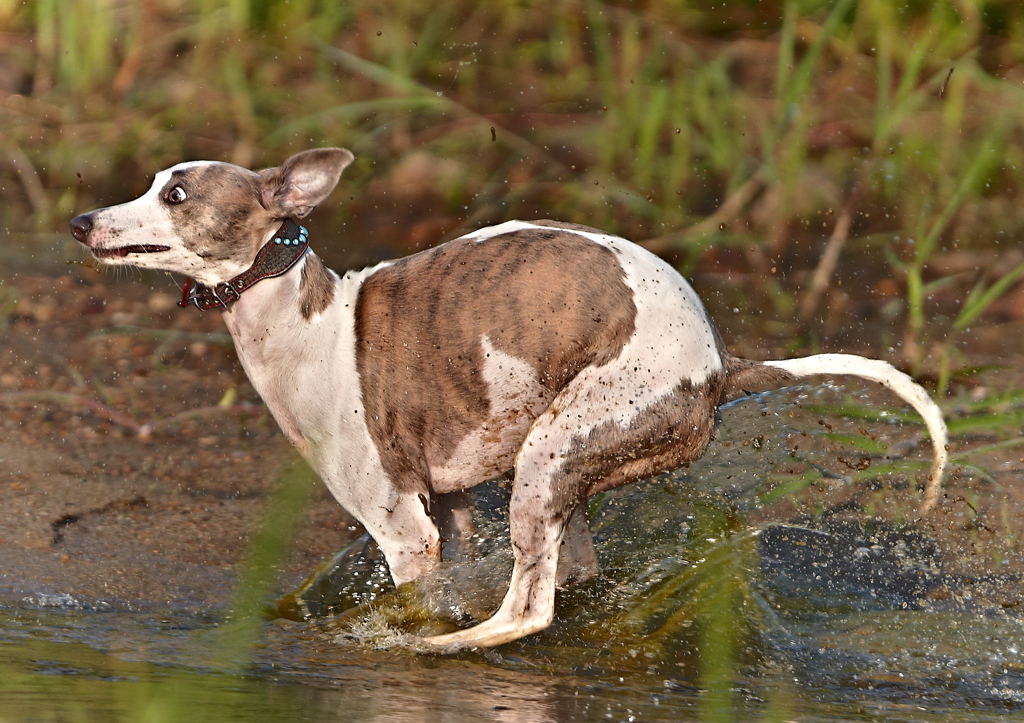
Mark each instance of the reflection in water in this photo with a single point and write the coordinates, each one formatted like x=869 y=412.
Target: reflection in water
x=74 y=681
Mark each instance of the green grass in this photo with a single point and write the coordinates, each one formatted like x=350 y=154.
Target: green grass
x=253 y=80
x=265 y=553
x=780 y=122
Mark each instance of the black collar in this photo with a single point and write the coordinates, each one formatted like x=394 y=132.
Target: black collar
x=278 y=255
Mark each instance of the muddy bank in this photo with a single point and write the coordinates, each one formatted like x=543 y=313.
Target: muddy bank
x=90 y=506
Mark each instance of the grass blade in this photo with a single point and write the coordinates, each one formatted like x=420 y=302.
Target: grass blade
x=802 y=78
x=267 y=548
x=977 y=301
x=984 y=159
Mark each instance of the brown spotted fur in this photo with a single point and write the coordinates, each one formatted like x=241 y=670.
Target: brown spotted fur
x=669 y=434
x=419 y=326
x=751 y=376
x=223 y=220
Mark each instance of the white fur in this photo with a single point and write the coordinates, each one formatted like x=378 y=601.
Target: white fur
x=296 y=367
x=145 y=219
x=513 y=405
x=488 y=232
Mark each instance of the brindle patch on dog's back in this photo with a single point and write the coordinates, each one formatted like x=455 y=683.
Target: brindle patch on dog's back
x=222 y=207
x=554 y=299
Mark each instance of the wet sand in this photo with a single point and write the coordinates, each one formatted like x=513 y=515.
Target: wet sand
x=90 y=508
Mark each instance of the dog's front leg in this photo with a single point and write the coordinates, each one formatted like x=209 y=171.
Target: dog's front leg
x=577 y=560
x=400 y=524
x=453 y=515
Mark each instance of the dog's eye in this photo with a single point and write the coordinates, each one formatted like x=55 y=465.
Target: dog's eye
x=176 y=195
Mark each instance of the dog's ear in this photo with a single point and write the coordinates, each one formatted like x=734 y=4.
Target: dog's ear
x=303 y=181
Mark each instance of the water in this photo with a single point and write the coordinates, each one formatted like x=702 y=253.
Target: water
x=718 y=600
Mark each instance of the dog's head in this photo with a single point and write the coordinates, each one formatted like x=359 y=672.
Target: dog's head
x=207 y=219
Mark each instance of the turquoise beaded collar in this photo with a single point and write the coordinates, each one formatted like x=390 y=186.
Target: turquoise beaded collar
x=278 y=255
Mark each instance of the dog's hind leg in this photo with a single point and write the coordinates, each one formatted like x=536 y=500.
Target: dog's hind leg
x=577 y=559
x=606 y=428
x=574 y=444
x=543 y=500
x=453 y=514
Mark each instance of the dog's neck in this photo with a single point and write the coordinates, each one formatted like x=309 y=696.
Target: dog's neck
x=279 y=254
x=295 y=362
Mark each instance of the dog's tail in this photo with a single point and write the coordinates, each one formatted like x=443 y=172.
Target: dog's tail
x=744 y=374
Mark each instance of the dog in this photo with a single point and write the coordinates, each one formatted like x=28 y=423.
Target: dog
x=573 y=358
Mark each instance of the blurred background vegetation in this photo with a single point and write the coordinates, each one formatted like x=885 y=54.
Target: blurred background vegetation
x=831 y=174
x=765 y=143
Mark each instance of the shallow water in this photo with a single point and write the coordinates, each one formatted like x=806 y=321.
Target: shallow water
x=706 y=609
x=861 y=619
x=713 y=604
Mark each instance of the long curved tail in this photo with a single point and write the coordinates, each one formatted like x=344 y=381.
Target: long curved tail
x=742 y=371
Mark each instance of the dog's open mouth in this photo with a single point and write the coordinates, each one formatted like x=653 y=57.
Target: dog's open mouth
x=120 y=253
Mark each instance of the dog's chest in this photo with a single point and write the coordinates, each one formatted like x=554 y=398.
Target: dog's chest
x=304 y=370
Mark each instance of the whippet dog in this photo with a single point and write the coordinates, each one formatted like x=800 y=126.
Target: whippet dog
x=573 y=358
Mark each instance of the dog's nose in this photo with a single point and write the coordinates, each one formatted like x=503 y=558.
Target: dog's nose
x=81 y=226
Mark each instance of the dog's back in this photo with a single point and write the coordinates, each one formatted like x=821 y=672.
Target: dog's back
x=460 y=349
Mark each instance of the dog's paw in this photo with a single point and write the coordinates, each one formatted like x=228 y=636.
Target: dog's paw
x=488 y=634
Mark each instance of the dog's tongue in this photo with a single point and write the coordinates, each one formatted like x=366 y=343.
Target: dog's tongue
x=120 y=253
